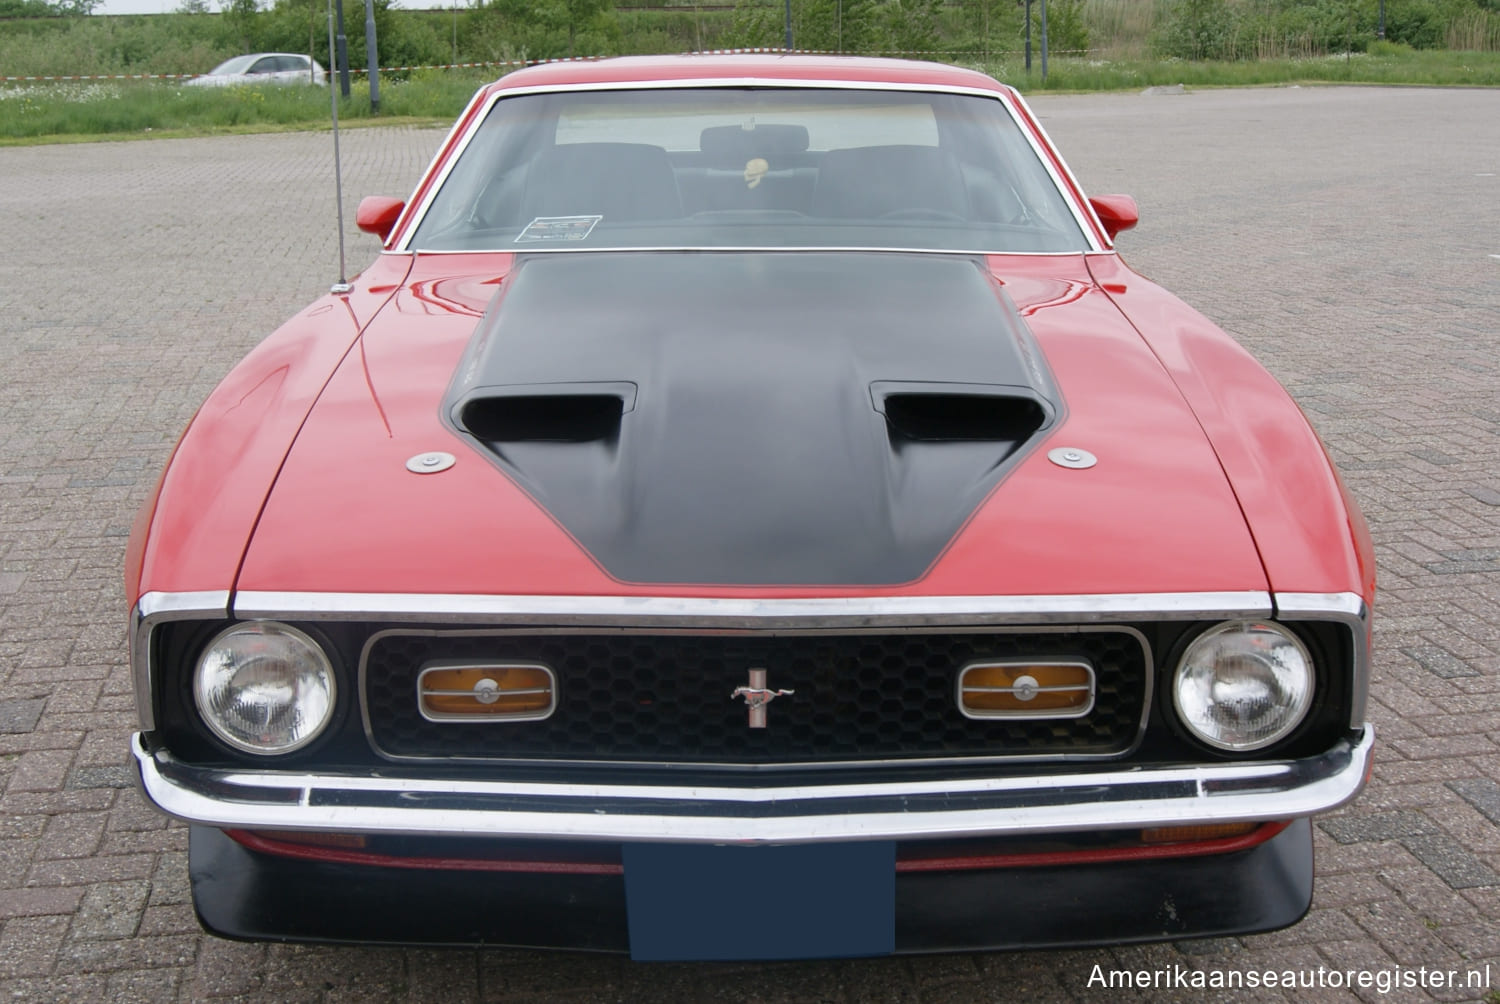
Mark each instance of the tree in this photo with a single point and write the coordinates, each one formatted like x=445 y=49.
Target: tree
x=819 y=25
x=991 y=25
x=543 y=29
x=1198 y=29
x=242 y=18
x=1066 y=31
x=907 y=26
x=582 y=14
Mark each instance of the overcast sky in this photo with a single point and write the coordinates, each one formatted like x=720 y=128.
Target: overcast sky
x=137 y=6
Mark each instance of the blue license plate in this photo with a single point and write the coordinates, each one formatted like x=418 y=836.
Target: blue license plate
x=695 y=902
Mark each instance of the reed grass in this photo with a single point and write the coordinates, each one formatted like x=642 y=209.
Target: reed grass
x=1396 y=66
x=1122 y=29
x=1475 y=31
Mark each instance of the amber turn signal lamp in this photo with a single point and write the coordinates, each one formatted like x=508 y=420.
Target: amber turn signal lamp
x=483 y=693
x=313 y=838
x=1186 y=834
x=1026 y=689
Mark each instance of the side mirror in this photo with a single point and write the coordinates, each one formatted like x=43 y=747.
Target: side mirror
x=377 y=214
x=1117 y=213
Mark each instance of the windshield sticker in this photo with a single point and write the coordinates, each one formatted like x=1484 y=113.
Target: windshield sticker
x=559 y=228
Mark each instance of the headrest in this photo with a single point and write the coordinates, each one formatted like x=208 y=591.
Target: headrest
x=734 y=144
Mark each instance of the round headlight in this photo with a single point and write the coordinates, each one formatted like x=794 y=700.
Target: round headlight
x=1243 y=685
x=265 y=688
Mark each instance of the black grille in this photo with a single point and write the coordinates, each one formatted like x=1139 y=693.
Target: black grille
x=666 y=698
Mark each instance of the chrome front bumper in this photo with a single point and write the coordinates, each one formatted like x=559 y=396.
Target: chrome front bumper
x=405 y=803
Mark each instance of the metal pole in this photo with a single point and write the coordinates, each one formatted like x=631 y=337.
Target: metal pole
x=373 y=56
x=1044 y=41
x=341 y=51
x=342 y=286
x=1028 y=36
x=788 y=25
x=1380 y=32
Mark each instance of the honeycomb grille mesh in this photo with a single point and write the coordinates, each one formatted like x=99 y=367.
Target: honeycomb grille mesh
x=666 y=698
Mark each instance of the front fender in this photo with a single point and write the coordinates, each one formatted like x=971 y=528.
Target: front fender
x=1308 y=529
x=192 y=532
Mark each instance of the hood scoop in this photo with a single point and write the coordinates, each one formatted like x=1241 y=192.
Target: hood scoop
x=567 y=414
x=754 y=418
x=957 y=414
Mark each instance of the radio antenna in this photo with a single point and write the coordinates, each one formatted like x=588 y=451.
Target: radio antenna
x=343 y=285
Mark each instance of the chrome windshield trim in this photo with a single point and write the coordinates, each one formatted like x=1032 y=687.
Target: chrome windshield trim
x=401 y=226
x=1351 y=610
x=1082 y=214
x=755 y=249
x=150 y=610
x=1092 y=225
x=1055 y=803
x=750 y=613
x=752 y=249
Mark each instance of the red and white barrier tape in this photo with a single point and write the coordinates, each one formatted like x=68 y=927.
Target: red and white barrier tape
x=102 y=76
x=538 y=62
x=890 y=52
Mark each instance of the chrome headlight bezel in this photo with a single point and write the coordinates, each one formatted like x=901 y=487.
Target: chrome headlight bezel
x=1263 y=657
x=302 y=668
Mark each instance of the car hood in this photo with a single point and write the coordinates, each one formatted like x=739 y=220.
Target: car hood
x=792 y=423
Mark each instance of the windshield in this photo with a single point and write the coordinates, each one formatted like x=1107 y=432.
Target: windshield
x=748 y=167
x=239 y=64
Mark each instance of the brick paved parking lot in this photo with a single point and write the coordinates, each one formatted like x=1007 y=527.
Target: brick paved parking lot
x=1350 y=237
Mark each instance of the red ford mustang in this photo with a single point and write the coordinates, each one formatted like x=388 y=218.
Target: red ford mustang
x=748 y=510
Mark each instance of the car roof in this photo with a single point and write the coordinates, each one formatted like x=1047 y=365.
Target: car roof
x=729 y=68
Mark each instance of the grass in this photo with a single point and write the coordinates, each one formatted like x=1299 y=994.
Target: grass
x=51 y=112
x=1392 y=65
x=116 y=109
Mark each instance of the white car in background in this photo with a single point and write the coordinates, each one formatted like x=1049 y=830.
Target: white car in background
x=263 y=68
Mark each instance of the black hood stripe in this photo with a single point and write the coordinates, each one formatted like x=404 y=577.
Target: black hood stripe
x=754 y=418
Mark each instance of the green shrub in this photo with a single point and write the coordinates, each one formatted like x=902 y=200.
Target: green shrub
x=1198 y=29
x=1067 y=31
x=545 y=29
x=1267 y=29
x=1415 y=23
